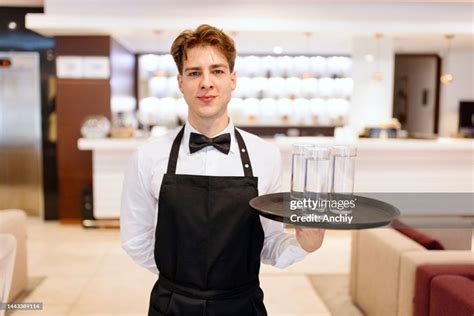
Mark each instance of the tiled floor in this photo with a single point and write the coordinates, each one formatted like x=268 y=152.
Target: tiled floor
x=85 y=272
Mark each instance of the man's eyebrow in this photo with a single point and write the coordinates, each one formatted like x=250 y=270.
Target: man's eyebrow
x=192 y=68
x=219 y=66
x=214 y=66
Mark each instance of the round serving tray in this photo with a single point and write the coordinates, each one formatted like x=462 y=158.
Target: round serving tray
x=366 y=213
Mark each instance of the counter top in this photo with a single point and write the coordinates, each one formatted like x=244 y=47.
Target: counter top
x=286 y=142
x=110 y=143
x=419 y=144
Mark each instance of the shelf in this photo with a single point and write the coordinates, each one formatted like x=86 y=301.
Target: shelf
x=289 y=130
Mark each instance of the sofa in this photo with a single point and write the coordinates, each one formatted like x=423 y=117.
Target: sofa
x=14 y=222
x=7 y=264
x=383 y=269
x=444 y=290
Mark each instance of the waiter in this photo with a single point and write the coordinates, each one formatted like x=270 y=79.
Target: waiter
x=185 y=205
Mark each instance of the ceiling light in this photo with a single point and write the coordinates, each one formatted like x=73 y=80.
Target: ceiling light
x=277 y=50
x=446 y=77
x=12 y=25
x=369 y=58
x=377 y=75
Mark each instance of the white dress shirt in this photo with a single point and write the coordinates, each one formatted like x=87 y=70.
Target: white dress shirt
x=141 y=189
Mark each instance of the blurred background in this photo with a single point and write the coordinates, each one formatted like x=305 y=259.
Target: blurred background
x=83 y=83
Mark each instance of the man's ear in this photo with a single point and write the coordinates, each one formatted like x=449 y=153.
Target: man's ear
x=233 y=78
x=179 y=77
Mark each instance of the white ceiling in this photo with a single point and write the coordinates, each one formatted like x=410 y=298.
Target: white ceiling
x=148 y=25
x=29 y=3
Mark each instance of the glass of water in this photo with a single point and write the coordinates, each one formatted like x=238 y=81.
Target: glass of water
x=298 y=170
x=342 y=176
x=318 y=166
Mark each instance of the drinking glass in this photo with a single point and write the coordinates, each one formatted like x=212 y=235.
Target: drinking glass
x=298 y=170
x=316 y=184
x=342 y=175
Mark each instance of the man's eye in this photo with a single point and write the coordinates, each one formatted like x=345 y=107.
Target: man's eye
x=193 y=74
x=218 y=71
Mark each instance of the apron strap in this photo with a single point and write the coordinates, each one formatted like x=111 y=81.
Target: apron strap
x=244 y=156
x=173 y=160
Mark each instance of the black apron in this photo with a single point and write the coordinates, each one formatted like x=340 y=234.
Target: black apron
x=207 y=243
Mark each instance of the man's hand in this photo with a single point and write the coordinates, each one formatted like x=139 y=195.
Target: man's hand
x=310 y=239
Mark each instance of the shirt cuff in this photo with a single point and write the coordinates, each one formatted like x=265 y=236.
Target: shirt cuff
x=296 y=250
x=293 y=253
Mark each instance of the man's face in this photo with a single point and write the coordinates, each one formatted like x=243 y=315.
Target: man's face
x=206 y=83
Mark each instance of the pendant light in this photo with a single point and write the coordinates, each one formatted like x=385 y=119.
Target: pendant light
x=377 y=75
x=447 y=78
x=305 y=74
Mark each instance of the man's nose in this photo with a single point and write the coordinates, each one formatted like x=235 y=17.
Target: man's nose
x=206 y=82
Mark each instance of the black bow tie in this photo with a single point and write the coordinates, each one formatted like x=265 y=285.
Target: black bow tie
x=198 y=142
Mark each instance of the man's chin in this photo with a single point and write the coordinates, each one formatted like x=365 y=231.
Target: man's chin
x=208 y=111
x=209 y=115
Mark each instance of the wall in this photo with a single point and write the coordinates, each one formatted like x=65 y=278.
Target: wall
x=460 y=63
x=371 y=101
x=123 y=77
x=78 y=98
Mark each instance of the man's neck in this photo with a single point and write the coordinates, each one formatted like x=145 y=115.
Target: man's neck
x=209 y=127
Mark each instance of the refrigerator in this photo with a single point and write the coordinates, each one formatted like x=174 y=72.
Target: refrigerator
x=20 y=133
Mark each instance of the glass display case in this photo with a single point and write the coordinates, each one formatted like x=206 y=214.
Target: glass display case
x=273 y=92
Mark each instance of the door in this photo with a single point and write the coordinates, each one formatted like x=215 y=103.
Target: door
x=20 y=133
x=416 y=93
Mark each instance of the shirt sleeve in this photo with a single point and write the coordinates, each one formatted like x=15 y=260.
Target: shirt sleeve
x=280 y=249
x=137 y=216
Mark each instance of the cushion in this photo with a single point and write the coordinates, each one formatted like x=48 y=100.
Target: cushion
x=424 y=276
x=14 y=222
x=417 y=236
x=452 y=295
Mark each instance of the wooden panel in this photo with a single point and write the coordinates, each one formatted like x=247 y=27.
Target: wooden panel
x=76 y=99
x=82 y=45
x=70 y=192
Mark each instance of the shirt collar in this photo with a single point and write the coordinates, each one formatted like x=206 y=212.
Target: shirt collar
x=188 y=128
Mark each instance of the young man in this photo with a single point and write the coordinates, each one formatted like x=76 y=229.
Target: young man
x=185 y=205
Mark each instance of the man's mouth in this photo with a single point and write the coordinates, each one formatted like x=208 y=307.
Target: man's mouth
x=207 y=98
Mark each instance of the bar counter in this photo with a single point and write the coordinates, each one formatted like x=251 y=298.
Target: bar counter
x=389 y=165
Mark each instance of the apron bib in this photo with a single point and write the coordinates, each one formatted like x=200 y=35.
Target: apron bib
x=208 y=242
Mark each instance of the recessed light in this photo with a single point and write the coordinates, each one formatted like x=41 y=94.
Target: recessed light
x=12 y=25
x=277 y=50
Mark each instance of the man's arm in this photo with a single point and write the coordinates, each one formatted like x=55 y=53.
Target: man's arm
x=137 y=215
x=280 y=249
